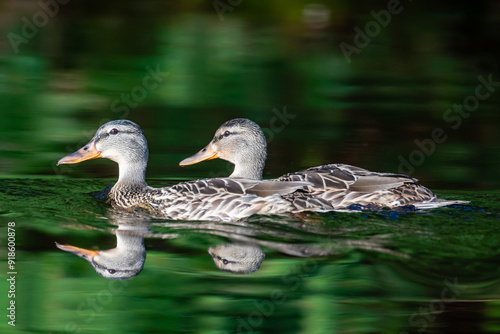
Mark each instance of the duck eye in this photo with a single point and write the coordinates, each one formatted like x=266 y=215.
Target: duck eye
x=111 y=271
x=227 y=133
x=225 y=261
x=113 y=131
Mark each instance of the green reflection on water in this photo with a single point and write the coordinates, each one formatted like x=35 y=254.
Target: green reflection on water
x=386 y=267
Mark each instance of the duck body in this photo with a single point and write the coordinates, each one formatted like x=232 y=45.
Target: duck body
x=343 y=185
x=223 y=199
x=337 y=185
x=210 y=199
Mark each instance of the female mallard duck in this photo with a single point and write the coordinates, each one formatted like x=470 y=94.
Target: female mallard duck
x=211 y=199
x=242 y=142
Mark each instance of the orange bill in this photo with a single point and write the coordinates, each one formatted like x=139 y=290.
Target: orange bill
x=206 y=153
x=87 y=152
x=87 y=254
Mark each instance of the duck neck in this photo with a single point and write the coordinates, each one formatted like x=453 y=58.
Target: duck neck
x=251 y=167
x=132 y=175
x=127 y=241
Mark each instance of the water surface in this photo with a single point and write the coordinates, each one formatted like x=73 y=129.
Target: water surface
x=387 y=271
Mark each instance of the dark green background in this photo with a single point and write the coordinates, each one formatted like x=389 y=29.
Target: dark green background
x=263 y=56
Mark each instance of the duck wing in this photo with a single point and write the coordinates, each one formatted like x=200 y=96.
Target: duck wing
x=368 y=181
x=265 y=188
x=343 y=185
x=346 y=177
x=222 y=199
x=239 y=186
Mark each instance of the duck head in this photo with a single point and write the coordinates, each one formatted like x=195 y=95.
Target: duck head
x=238 y=258
x=123 y=142
x=124 y=261
x=239 y=141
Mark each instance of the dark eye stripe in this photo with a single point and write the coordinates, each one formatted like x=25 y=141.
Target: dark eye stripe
x=112 y=132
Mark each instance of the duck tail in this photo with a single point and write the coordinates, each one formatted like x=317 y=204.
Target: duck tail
x=437 y=203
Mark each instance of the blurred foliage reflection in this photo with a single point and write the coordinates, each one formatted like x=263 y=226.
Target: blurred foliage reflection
x=90 y=63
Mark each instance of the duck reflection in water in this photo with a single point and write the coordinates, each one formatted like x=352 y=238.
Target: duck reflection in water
x=238 y=258
x=124 y=261
x=241 y=253
x=244 y=254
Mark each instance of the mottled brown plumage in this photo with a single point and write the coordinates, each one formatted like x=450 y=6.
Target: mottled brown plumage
x=343 y=185
x=337 y=185
x=211 y=199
